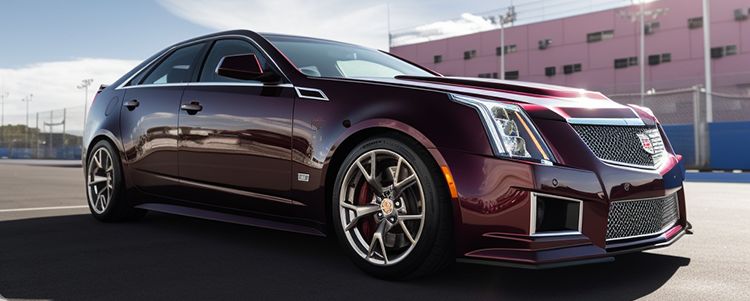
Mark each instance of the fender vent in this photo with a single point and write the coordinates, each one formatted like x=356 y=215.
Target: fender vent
x=311 y=93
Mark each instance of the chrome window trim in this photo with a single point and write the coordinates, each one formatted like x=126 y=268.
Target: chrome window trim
x=236 y=84
x=607 y=121
x=298 y=89
x=153 y=85
x=171 y=50
x=532 y=223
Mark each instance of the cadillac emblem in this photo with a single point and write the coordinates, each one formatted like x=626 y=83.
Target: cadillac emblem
x=646 y=143
x=386 y=206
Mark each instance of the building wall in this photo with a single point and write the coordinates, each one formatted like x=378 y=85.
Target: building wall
x=570 y=46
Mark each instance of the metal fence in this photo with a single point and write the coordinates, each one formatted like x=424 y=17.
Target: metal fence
x=684 y=115
x=53 y=134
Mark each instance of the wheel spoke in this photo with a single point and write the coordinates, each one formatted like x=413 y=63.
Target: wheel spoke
x=377 y=238
x=103 y=202
x=410 y=217
x=406 y=232
x=399 y=187
x=361 y=211
x=97 y=180
x=98 y=159
x=96 y=202
x=370 y=178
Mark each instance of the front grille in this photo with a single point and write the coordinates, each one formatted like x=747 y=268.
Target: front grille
x=622 y=144
x=644 y=217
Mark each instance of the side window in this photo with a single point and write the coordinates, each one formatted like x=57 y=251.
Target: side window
x=223 y=48
x=176 y=68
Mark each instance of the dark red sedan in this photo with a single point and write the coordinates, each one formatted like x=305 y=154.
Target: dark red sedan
x=409 y=169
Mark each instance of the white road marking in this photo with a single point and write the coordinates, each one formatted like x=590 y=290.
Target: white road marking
x=42 y=208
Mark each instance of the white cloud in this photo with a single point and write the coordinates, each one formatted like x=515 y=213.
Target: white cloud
x=353 y=22
x=467 y=24
x=53 y=85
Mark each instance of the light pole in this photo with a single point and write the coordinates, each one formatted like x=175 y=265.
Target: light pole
x=642 y=56
x=510 y=16
x=85 y=85
x=707 y=61
x=2 y=117
x=27 y=99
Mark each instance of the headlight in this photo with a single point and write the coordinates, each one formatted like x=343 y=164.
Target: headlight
x=509 y=128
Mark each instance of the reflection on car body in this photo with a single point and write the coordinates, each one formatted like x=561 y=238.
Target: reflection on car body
x=411 y=170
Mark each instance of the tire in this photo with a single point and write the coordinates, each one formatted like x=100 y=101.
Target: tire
x=395 y=222
x=105 y=186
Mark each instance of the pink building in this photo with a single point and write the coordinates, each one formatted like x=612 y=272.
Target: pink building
x=599 y=51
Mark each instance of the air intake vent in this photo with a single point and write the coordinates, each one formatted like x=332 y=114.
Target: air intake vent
x=637 y=218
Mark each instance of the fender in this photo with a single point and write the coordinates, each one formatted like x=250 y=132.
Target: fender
x=387 y=124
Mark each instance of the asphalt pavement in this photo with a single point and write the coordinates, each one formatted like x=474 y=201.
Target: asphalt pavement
x=52 y=249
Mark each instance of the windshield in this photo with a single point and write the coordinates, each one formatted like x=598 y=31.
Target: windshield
x=322 y=58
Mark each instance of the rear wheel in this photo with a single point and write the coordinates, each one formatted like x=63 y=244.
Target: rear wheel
x=105 y=186
x=391 y=210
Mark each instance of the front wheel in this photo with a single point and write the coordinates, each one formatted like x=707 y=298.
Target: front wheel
x=105 y=186
x=391 y=209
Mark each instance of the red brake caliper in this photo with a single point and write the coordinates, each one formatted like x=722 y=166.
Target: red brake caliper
x=367 y=224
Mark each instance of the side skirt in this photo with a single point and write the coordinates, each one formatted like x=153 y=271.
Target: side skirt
x=230 y=218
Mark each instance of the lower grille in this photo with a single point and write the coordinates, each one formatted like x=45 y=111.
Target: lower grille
x=629 y=219
x=623 y=144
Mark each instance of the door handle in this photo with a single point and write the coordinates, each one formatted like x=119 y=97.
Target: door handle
x=192 y=107
x=131 y=105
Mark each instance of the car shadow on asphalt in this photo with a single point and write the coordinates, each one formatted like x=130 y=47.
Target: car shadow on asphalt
x=170 y=257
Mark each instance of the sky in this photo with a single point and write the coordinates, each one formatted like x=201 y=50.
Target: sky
x=47 y=47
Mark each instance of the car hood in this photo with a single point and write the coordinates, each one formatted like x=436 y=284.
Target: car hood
x=540 y=100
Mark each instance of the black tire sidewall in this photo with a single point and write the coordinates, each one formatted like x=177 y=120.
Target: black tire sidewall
x=433 y=208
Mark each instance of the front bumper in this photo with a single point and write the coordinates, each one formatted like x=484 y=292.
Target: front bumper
x=495 y=211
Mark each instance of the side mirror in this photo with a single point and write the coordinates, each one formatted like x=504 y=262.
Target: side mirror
x=241 y=66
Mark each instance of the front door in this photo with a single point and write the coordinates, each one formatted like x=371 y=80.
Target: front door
x=235 y=137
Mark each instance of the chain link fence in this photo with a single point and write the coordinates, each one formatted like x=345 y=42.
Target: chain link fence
x=53 y=134
x=684 y=115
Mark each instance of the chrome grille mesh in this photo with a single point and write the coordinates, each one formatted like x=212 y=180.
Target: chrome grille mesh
x=621 y=144
x=641 y=217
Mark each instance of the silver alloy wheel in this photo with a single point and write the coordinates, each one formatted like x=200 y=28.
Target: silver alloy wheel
x=100 y=180
x=382 y=223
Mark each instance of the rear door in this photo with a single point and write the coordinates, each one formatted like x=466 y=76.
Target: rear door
x=236 y=150
x=148 y=122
